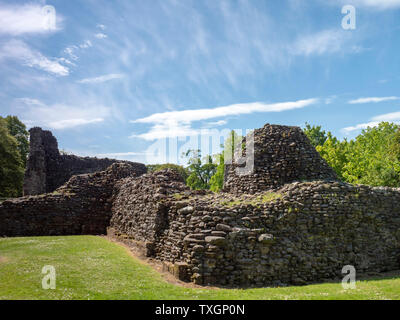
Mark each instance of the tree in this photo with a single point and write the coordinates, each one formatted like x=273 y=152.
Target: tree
x=18 y=130
x=200 y=171
x=316 y=135
x=335 y=153
x=374 y=157
x=11 y=164
x=217 y=180
x=228 y=150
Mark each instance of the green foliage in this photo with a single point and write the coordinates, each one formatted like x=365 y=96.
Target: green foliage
x=158 y=167
x=200 y=171
x=372 y=158
x=217 y=180
x=316 y=135
x=18 y=130
x=229 y=147
x=335 y=153
x=11 y=164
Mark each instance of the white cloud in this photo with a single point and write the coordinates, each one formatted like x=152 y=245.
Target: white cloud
x=101 y=26
x=330 y=99
x=375 y=121
x=375 y=4
x=23 y=19
x=30 y=101
x=101 y=79
x=20 y=51
x=60 y=116
x=361 y=126
x=372 y=100
x=71 y=51
x=86 y=44
x=100 y=35
x=217 y=123
x=327 y=41
x=394 y=116
x=70 y=123
x=178 y=123
x=121 y=154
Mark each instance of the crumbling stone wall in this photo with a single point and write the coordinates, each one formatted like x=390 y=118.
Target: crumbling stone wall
x=303 y=233
x=282 y=155
x=47 y=169
x=289 y=222
x=81 y=206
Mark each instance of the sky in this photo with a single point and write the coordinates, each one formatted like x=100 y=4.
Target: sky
x=145 y=80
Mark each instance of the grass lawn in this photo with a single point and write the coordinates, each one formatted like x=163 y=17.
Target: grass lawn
x=91 y=267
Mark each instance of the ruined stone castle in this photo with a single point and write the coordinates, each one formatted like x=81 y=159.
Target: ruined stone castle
x=289 y=221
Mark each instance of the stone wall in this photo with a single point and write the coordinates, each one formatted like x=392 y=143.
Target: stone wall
x=282 y=155
x=303 y=233
x=289 y=222
x=81 y=206
x=47 y=169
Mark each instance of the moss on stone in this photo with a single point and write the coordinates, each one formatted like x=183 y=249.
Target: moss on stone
x=255 y=201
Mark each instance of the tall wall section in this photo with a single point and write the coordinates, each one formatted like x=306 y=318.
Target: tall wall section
x=47 y=169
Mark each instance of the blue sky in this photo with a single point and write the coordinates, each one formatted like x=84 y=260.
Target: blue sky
x=111 y=78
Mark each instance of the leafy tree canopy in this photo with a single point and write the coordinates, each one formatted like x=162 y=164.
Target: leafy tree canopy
x=18 y=130
x=11 y=164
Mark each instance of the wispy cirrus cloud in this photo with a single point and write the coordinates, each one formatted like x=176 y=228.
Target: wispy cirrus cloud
x=393 y=116
x=101 y=79
x=60 y=116
x=26 y=19
x=360 y=126
x=100 y=35
x=72 y=51
x=374 y=4
x=373 y=100
x=387 y=117
x=19 y=51
x=323 y=42
x=178 y=123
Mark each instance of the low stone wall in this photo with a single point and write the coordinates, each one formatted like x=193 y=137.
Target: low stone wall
x=304 y=233
x=48 y=170
x=81 y=206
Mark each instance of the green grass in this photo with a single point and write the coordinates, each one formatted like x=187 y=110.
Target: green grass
x=91 y=267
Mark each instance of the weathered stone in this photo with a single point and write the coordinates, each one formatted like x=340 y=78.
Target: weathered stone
x=217 y=241
x=223 y=227
x=186 y=210
x=266 y=239
x=48 y=170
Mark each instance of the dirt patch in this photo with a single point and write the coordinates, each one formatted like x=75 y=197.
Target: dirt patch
x=3 y=259
x=156 y=265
